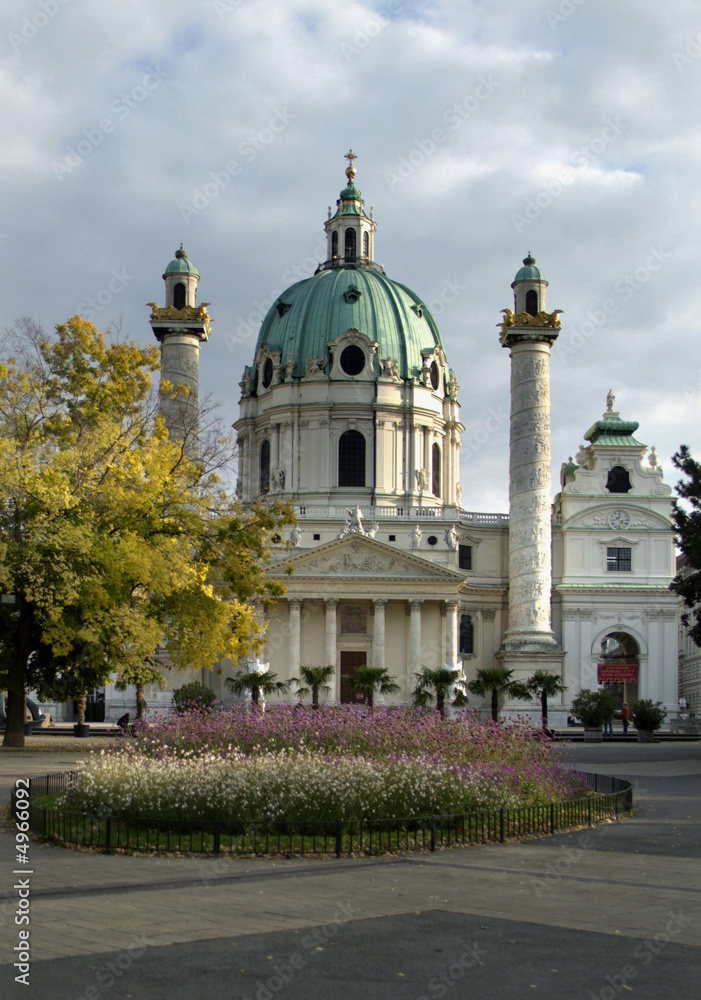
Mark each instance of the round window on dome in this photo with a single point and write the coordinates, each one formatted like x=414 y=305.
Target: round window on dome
x=267 y=372
x=352 y=360
x=435 y=376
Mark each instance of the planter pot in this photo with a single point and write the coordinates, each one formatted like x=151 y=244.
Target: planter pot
x=82 y=731
x=593 y=734
x=645 y=736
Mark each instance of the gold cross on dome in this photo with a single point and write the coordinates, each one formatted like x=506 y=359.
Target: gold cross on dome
x=350 y=156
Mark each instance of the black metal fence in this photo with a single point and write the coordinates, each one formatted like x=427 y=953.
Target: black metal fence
x=609 y=797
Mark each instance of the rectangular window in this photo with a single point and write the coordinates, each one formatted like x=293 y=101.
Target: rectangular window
x=464 y=556
x=618 y=560
x=467 y=636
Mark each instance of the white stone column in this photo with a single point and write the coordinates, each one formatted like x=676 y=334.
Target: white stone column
x=415 y=638
x=530 y=578
x=529 y=643
x=330 y=610
x=451 y=633
x=378 y=639
x=295 y=606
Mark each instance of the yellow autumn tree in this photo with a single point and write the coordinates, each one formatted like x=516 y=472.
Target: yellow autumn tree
x=115 y=543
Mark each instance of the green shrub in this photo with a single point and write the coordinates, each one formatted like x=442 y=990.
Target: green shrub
x=593 y=708
x=193 y=697
x=648 y=715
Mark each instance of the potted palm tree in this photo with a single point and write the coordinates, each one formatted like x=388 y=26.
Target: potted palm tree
x=370 y=681
x=438 y=683
x=498 y=682
x=648 y=717
x=545 y=685
x=257 y=680
x=593 y=709
x=312 y=680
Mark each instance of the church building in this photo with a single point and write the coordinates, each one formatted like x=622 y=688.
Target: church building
x=350 y=410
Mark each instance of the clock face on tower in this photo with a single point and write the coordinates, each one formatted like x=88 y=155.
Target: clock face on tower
x=619 y=519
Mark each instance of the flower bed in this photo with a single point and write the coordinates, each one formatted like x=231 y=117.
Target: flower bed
x=296 y=763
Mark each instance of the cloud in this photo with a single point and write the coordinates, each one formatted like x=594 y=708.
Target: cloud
x=381 y=77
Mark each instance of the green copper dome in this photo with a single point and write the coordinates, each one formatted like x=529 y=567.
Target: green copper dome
x=529 y=272
x=317 y=310
x=181 y=264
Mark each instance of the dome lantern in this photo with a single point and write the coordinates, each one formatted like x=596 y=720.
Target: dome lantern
x=529 y=288
x=350 y=231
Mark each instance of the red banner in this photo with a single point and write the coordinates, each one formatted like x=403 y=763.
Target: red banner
x=617 y=672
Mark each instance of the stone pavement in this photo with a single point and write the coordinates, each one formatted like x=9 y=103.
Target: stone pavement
x=610 y=912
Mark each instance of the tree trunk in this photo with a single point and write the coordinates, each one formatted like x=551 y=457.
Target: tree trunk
x=140 y=701
x=16 y=705
x=544 y=707
x=495 y=705
x=80 y=707
x=255 y=695
x=440 y=703
x=315 y=696
x=371 y=698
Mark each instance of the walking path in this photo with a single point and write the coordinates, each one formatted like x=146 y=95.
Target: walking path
x=605 y=913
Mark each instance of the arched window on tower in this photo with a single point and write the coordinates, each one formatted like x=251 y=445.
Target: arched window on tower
x=179 y=295
x=334 y=243
x=532 y=302
x=350 y=244
x=436 y=470
x=351 y=459
x=265 y=467
x=618 y=480
x=366 y=244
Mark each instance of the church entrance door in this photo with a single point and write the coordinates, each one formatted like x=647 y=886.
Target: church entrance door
x=350 y=659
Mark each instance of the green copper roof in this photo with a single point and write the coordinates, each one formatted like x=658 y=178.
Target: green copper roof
x=613 y=431
x=317 y=310
x=350 y=202
x=181 y=264
x=529 y=272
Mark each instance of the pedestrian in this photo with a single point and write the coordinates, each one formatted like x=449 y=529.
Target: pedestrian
x=608 y=726
x=123 y=723
x=625 y=716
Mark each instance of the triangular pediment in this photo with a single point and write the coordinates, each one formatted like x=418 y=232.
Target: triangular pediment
x=358 y=556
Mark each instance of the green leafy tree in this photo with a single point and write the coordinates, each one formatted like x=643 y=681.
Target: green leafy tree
x=498 y=682
x=544 y=685
x=370 y=681
x=139 y=675
x=312 y=680
x=438 y=683
x=114 y=542
x=257 y=683
x=687 y=583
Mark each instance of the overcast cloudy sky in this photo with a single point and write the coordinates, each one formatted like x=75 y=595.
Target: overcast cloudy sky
x=483 y=130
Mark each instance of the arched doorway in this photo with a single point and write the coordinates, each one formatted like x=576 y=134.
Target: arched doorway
x=618 y=667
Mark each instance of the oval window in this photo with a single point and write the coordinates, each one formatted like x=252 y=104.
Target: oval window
x=435 y=376
x=267 y=372
x=352 y=360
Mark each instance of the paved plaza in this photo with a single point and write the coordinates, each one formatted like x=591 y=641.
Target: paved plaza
x=610 y=912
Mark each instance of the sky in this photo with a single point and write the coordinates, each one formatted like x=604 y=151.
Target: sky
x=483 y=131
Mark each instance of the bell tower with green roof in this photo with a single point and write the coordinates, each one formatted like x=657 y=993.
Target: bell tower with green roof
x=181 y=327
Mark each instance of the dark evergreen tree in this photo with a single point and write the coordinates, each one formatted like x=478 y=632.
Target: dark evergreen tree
x=687 y=521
